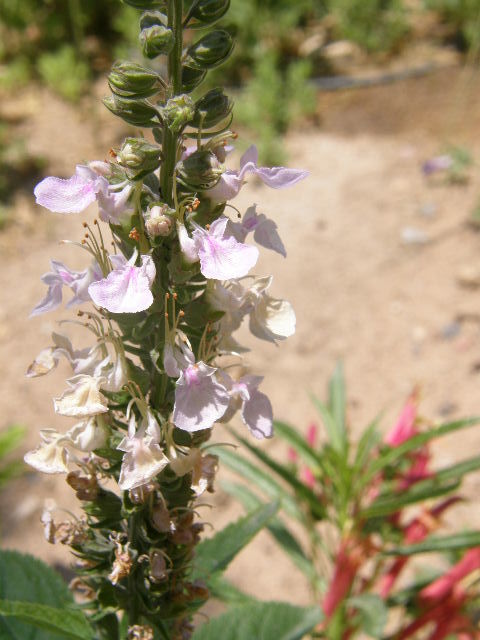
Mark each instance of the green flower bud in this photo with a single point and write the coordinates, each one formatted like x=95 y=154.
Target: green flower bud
x=131 y=80
x=191 y=78
x=207 y=12
x=214 y=107
x=156 y=38
x=146 y=4
x=138 y=157
x=178 y=112
x=200 y=171
x=211 y=50
x=136 y=112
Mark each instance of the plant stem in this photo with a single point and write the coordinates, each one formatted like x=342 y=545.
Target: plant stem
x=175 y=13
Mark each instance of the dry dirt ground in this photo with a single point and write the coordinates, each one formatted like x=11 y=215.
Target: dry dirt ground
x=396 y=314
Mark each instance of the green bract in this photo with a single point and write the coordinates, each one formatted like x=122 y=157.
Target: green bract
x=211 y=50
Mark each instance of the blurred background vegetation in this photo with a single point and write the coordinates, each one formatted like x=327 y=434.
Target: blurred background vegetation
x=281 y=44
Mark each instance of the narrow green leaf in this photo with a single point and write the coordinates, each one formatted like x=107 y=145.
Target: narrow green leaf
x=372 y=613
x=328 y=422
x=261 y=621
x=10 y=438
x=391 y=502
x=391 y=454
x=276 y=528
x=456 y=542
x=260 y=479
x=369 y=440
x=337 y=404
x=70 y=624
x=301 y=490
x=297 y=442
x=215 y=554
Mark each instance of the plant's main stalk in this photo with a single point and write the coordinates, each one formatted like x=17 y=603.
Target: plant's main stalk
x=149 y=390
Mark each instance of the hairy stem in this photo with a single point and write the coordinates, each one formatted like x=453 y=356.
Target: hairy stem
x=170 y=140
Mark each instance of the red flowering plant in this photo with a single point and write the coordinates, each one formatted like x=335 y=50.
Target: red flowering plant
x=382 y=503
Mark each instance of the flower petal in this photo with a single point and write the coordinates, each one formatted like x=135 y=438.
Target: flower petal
x=199 y=399
x=280 y=177
x=72 y=195
x=257 y=414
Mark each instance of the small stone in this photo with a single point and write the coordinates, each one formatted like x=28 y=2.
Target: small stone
x=451 y=330
x=469 y=277
x=428 y=209
x=414 y=236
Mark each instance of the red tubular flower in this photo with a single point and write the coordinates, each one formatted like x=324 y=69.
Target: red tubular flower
x=444 y=586
x=349 y=559
x=415 y=531
x=405 y=428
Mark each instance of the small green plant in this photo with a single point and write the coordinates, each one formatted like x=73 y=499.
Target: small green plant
x=375 y=25
x=272 y=100
x=368 y=511
x=64 y=73
x=463 y=16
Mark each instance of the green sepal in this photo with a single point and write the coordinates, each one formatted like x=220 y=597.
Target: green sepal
x=132 y=80
x=145 y=5
x=136 y=112
x=200 y=171
x=206 y=12
x=211 y=109
x=211 y=50
x=156 y=37
x=192 y=78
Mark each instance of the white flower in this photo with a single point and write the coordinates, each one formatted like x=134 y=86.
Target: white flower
x=83 y=399
x=51 y=455
x=88 y=435
x=143 y=458
x=270 y=318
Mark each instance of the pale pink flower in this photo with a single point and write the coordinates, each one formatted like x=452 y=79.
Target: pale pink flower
x=85 y=187
x=264 y=230
x=200 y=400
x=60 y=276
x=126 y=289
x=232 y=181
x=254 y=406
x=221 y=256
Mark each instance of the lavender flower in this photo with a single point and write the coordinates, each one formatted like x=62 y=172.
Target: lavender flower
x=231 y=181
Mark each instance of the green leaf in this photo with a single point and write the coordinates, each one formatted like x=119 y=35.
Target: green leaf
x=389 y=503
x=70 y=624
x=27 y=579
x=456 y=542
x=216 y=553
x=260 y=479
x=297 y=442
x=369 y=440
x=261 y=621
x=301 y=490
x=372 y=613
x=276 y=528
x=11 y=438
x=391 y=454
x=227 y=592
x=337 y=403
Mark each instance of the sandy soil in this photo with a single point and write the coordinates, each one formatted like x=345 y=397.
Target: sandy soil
x=396 y=314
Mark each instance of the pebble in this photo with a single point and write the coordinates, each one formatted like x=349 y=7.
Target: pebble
x=414 y=236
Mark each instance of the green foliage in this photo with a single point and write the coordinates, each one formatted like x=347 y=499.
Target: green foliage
x=463 y=16
x=262 y=621
x=70 y=625
x=25 y=579
x=371 y=612
x=215 y=554
x=64 y=73
x=272 y=100
x=375 y=25
x=10 y=439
